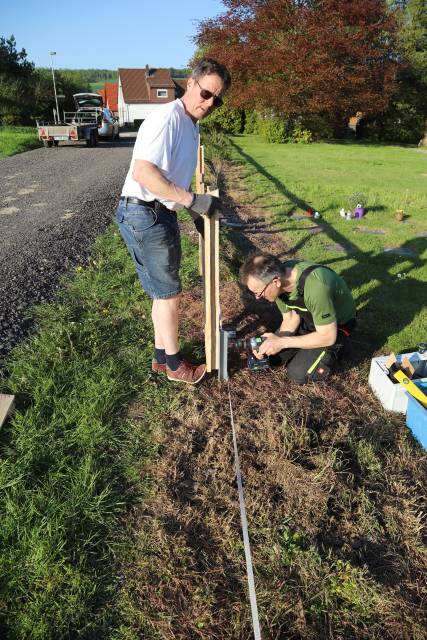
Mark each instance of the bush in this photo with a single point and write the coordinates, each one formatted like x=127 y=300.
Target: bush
x=251 y=119
x=274 y=129
x=226 y=120
x=402 y=123
x=300 y=135
x=320 y=126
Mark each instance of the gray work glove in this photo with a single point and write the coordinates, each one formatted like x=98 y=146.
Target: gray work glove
x=205 y=204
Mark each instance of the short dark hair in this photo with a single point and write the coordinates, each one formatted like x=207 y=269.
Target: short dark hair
x=262 y=266
x=207 y=66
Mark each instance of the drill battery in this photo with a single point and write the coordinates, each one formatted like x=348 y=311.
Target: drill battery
x=256 y=364
x=251 y=344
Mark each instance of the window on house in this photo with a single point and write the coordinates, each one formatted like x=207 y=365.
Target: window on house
x=162 y=93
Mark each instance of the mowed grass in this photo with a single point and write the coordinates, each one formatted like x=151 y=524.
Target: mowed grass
x=71 y=460
x=17 y=139
x=389 y=288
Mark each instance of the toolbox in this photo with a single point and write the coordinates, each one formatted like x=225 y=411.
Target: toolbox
x=416 y=414
x=392 y=395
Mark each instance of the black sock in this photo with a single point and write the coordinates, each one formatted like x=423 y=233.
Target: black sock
x=174 y=361
x=160 y=355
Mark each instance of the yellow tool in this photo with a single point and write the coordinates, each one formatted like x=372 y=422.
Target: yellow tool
x=411 y=387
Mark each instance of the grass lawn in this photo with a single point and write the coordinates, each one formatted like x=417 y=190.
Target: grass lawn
x=389 y=288
x=71 y=460
x=17 y=139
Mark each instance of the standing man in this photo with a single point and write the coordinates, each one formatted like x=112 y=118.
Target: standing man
x=318 y=314
x=156 y=187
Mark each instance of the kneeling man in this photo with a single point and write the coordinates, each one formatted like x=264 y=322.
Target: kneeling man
x=318 y=314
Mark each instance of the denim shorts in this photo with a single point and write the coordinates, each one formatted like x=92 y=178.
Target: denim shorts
x=151 y=234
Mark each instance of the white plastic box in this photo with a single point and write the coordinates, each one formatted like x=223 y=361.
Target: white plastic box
x=392 y=395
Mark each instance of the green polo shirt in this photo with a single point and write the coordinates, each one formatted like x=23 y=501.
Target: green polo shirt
x=326 y=295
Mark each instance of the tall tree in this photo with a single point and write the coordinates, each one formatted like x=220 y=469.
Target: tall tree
x=305 y=56
x=67 y=83
x=412 y=81
x=16 y=83
x=405 y=118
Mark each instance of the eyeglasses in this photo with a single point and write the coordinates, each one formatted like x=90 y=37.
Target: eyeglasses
x=207 y=95
x=261 y=293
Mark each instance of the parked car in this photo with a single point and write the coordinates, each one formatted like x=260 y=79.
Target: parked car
x=89 y=105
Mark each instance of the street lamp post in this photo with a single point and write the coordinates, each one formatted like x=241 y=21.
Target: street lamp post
x=53 y=53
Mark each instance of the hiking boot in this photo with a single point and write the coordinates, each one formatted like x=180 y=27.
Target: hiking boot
x=187 y=372
x=157 y=367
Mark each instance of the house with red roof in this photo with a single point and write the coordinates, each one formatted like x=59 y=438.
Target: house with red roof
x=142 y=90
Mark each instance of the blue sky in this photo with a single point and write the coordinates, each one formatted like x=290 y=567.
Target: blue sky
x=106 y=34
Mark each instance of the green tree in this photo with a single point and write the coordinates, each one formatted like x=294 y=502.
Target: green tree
x=405 y=119
x=68 y=82
x=16 y=83
x=413 y=42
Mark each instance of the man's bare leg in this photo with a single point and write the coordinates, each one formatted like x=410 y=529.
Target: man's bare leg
x=165 y=314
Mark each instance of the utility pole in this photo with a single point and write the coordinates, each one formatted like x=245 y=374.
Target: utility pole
x=53 y=53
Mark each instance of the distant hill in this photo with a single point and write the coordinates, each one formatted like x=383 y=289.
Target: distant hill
x=92 y=75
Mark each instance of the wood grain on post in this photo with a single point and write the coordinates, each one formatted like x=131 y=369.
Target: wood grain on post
x=211 y=291
x=200 y=188
x=209 y=270
x=6 y=406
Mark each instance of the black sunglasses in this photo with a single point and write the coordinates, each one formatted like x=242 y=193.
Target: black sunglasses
x=207 y=95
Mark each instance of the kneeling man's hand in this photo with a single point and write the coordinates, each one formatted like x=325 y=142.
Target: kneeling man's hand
x=205 y=204
x=272 y=345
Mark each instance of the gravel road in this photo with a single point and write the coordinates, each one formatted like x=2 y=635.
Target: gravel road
x=53 y=204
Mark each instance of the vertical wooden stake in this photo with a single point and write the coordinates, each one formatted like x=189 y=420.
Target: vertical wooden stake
x=211 y=291
x=6 y=406
x=209 y=270
x=200 y=188
x=200 y=170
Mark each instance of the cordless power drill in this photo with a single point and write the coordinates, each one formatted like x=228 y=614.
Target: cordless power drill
x=251 y=344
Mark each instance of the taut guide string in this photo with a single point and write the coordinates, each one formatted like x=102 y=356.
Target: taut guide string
x=246 y=543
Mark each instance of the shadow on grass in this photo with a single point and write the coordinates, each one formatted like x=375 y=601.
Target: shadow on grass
x=384 y=309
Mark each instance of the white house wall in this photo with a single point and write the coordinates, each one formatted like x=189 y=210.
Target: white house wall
x=128 y=113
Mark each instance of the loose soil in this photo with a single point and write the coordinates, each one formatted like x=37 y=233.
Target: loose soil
x=334 y=486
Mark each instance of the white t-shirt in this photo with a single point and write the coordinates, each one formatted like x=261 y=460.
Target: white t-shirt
x=169 y=139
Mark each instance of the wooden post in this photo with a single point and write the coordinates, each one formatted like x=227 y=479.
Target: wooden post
x=211 y=290
x=6 y=406
x=200 y=188
x=200 y=170
x=209 y=270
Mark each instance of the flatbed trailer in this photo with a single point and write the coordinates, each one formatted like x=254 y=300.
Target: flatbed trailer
x=76 y=126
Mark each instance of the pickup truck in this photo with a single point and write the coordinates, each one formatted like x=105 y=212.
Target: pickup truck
x=86 y=123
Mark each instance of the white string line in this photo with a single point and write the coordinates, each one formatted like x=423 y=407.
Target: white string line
x=246 y=543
